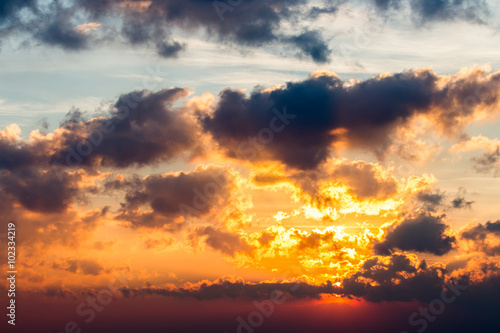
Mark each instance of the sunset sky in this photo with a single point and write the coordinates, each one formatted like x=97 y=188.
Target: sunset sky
x=251 y=166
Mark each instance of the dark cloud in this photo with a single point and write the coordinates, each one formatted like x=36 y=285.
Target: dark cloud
x=60 y=292
x=425 y=233
x=173 y=197
x=9 y=7
x=256 y=23
x=430 y=11
x=52 y=23
x=170 y=49
x=14 y=155
x=40 y=191
x=480 y=235
x=62 y=34
x=298 y=123
x=445 y=10
x=239 y=289
x=460 y=202
x=315 y=11
x=398 y=279
x=143 y=128
x=431 y=199
x=378 y=279
x=387 y=4
x=312 y=44
x=136 y=32
x=488 y=162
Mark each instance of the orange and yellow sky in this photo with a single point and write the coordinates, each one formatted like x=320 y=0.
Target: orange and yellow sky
x=250 y=166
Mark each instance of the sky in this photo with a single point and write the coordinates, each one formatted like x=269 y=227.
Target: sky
x=250 y=166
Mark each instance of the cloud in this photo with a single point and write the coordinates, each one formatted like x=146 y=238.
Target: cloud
x=397 y=278
x=424 y=233
x=299 y=123
x=170 y=49
x=432 y=11
x=479 y=232
x=488 y=162
x=237 y=288
x=40 y=191
x=431 y=199
x=171 y=198
x=9 y=7
x=15 y=153
x=148 y=23
x=316 y=11
x=378 y=279
x=257 y=23
x=479 y=142
x=341 y=188
x=312 y=44
x=143 y=128
x=434 y=200
x=387 y=4
x=446 y=10
x=459 y=201
x=483 y=237
x=63 y=35
x=318 y=254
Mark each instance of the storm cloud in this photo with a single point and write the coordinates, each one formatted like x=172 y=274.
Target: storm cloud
x=174 y=197
x=298 y=123
x=425 y=233
x=143 y=128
